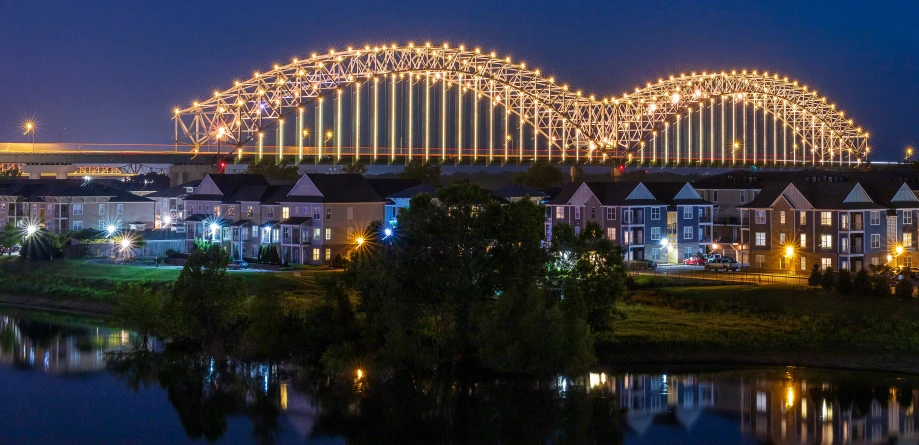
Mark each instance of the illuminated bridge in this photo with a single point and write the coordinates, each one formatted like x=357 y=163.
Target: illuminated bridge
x=386 y=104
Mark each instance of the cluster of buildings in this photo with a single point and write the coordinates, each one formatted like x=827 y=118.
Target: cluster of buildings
x=788 y=220
x=784 y=220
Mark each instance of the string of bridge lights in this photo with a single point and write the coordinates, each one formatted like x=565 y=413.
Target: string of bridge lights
x=383 y=104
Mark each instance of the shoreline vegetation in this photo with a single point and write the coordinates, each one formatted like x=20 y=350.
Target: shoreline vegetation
x=465 y=283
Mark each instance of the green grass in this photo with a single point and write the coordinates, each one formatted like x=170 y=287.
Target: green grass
x=96 y=282
x=774 y=323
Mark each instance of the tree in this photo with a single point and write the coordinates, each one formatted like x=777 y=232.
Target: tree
x=828 y=280
x=540 y=175
x=428 y=172
x=861 y=283
x=904 y=288
x=9 y=237
x=357 y=168
x=815 y=276
x=205 y=299
x=11 y=173
x=270 y=169
x=844 y=282
x=140 y=308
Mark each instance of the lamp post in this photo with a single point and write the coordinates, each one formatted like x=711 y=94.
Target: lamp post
x=30 y=128
x=899 y=251
x=790 y=253
x=909 y=154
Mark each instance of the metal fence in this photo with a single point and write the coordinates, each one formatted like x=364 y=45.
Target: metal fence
x=702 y=277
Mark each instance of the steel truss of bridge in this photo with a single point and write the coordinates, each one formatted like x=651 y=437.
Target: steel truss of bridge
x=397 y=103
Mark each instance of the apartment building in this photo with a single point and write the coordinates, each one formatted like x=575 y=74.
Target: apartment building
x=664 y=222
x=170 y=203
x=62 y=205
x=309 y=221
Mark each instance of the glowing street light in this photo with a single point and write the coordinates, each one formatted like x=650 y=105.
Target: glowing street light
x=167 y=220
x=31 y=229
x=359 y=241
x=387 y=232
x=125 y=244
x=789 y=251
x=110 y=229
x=29 y=127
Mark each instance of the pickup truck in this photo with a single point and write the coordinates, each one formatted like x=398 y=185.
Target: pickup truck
x=723 y=264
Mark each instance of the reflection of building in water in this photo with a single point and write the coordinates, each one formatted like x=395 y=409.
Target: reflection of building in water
x=58 y=349
x=800 y=411
x=773 y=409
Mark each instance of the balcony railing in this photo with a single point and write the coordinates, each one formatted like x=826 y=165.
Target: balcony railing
x=705 y=218
x=634 y=220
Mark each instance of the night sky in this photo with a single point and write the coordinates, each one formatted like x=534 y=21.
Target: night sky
x=111 y=71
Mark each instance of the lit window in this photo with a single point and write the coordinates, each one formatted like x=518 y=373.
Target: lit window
x=803 y=242
x=782 y=260
x=802 y=218
x=875 y=241
x=231 y=211
x=782 y=217
x=315 y=254
x=328 y=254
x=826 y=218
x=826 y=263
x=907 y=240
x=803 y=263
x=285 y=212
x=316 y=233
x=761 y=261
x=826 y=241
x=611 y=233
x=559 y=212
x=781 y=239
x=760 y=238
x=328 y=234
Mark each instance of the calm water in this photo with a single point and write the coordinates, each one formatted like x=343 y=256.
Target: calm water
x=70 y=380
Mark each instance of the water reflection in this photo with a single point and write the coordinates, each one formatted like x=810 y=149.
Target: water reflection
x=212 y=399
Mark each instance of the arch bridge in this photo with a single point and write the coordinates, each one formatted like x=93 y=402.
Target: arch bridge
x=384 y=104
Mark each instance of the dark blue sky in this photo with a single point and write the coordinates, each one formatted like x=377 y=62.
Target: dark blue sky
x=111 y=71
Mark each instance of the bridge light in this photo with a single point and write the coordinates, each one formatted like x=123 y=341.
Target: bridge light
x=675 y=98
x=176 y=111
x=462 y=47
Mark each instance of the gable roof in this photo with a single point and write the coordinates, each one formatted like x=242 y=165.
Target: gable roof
x=386 y=187
x=35 y=190
x=175 y=192
x=344 y=188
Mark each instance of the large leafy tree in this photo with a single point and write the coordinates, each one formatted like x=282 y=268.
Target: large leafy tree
x=540 y=175
x=355 y=168
x=206 y=301
x=269 y=168
x=428 y=172
x=463 y=279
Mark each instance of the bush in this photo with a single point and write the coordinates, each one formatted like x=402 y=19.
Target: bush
x=828 y=280
x=861 y=284
x=904 y=288
x=844 y=282
x=340 y=261
x=880 y=288
x=815 y=277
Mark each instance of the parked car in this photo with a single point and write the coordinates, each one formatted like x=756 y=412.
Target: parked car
x=724 y=265
x=694 y=261
x=238 y=264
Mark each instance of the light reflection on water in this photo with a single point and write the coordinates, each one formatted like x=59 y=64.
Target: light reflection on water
x=169 y=396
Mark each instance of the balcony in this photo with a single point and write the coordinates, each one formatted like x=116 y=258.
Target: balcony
x=745 y=222
x=857 y=249
x=705 y=219
x=637 y=219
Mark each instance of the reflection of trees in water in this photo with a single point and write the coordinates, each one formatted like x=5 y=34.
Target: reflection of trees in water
x=204 y=391
x=524 y=411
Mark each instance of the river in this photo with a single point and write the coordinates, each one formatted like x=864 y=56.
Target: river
x=72 y=379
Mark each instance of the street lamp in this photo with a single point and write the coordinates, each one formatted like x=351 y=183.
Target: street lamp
x=29 y=127
x=909 y=154
x=790 y=253
x=899 y=251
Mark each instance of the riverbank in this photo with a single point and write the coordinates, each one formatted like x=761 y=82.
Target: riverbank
x=758 y=325
x=93 y=287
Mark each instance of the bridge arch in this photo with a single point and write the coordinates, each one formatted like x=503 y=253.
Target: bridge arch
x=446 y=102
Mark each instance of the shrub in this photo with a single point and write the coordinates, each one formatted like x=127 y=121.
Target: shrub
x=880 y=288
x=340 y=261
x=861 y=283
x=815 y=277
x=828 y=280
x=844 y=282
x=904 y=288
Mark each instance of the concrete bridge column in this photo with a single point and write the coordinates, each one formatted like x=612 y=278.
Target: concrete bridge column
x=35 y=171
x=182 y=173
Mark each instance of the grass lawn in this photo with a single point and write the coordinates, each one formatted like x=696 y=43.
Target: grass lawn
x=771 y=323
x=101 y=283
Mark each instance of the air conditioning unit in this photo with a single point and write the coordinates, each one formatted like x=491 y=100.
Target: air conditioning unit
x=179 y=229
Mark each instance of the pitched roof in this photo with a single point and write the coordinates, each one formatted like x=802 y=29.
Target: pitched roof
x=414 y=191
x=344 y=188
x=34 y=190
x=389 y=186
x=518 y=191
x=175 y=192
x=296 y=221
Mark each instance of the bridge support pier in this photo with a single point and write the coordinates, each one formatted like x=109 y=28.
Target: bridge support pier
x=182 y=173
x=35 y=171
